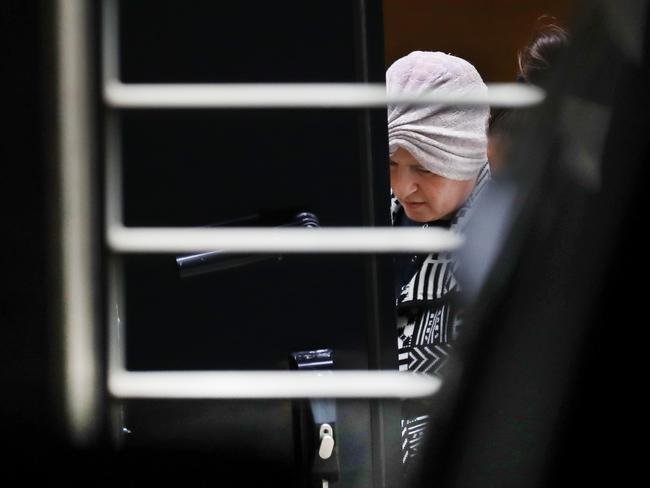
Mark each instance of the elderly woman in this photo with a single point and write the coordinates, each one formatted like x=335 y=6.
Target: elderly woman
x=438 y=166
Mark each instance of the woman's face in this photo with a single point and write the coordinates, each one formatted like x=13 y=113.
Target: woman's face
x=425 y=196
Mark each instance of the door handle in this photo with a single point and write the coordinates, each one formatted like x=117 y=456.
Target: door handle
x=315 y=426
x=326 y=446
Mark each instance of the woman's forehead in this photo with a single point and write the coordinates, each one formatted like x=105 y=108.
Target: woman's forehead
x=402 y=156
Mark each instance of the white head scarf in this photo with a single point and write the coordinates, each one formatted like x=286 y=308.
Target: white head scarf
x=450 y=141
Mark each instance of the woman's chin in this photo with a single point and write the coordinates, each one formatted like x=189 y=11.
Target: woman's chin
x=419 y=213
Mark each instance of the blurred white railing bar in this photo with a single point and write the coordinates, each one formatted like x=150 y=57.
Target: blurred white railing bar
x=282 y=240
x=271 y=384
x=304 y=95
x=78 y=312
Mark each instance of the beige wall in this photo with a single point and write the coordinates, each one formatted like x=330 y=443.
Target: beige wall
x=487 y=33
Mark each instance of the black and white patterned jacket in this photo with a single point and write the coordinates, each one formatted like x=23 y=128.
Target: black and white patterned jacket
x=428 y=319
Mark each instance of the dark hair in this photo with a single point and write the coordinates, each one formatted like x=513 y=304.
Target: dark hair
x=535 y=62
x=535 y=59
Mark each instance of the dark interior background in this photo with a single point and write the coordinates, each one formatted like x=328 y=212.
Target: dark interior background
x=611 y=353
x=24 y=309
x=289 y=41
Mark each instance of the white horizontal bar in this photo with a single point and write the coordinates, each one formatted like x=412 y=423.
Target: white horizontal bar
x=514 y=95
x=271 y=384
x=282 y=240
x=296 y=95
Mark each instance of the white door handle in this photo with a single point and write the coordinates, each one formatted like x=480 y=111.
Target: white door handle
x=326 y=441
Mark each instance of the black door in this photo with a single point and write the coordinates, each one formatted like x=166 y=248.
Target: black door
x=256 y=167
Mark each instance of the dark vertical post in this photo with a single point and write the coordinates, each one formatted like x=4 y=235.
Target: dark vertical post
x=379 y=299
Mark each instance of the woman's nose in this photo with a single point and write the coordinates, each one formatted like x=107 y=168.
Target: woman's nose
x=402 y=183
